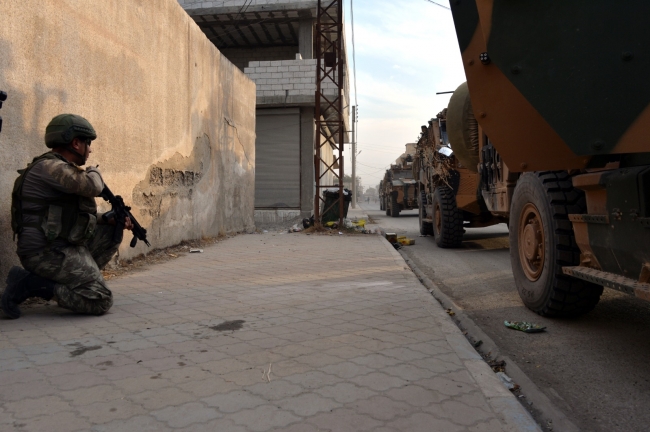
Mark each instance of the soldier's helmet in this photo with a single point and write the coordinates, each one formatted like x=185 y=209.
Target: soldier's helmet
x=63 y=128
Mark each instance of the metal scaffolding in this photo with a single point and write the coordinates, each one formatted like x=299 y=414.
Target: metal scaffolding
x=330 y=125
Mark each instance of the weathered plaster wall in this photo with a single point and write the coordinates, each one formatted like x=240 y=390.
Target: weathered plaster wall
x=175 y=119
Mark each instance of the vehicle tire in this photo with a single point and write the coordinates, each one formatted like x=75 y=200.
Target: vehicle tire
x=386 y=206
x=394 y=206
x=447 y=219
x=542 y=241
x=381 y=203
x=426 y=228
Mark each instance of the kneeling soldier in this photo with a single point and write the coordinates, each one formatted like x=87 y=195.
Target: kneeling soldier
x=62 y=242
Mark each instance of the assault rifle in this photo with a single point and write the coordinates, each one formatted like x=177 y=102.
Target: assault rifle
x=121 y=212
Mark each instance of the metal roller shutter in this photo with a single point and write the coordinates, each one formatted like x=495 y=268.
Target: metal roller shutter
x=277 y=159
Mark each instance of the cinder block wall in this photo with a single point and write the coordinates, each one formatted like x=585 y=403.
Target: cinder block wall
x=175 y=119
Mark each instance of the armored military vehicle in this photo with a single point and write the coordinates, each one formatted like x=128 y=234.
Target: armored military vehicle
x=398 y=189
x=562 y=130
x=448 y=189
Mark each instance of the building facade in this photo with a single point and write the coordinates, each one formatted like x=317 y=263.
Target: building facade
x=272 y=42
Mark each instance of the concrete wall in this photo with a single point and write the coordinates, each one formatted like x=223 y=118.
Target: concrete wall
x=241 y=56
x=175 y=119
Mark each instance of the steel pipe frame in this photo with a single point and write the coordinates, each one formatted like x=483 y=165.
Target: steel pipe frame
x=329 y=41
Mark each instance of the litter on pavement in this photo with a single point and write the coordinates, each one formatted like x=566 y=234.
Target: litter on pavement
x=405 y=241
x=196 y=250
x=507 y=381
x=524 y=326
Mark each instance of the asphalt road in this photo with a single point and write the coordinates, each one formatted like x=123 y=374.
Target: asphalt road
x=594 y=368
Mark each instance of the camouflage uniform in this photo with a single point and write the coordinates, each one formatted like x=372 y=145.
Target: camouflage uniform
x=76 y=268
x=77 y=271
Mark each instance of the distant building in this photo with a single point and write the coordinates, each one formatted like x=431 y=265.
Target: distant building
x=272 y=41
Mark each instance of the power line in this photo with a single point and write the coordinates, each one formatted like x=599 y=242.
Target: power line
x=438 y=4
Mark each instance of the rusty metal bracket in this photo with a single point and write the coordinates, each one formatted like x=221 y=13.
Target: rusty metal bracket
x=610 y=280
x=328 y=113
x=587 y=218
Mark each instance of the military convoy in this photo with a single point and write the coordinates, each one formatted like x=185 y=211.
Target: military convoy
x=398 y=190
x=554 y=134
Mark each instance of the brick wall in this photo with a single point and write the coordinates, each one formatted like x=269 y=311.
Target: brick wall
x=241 y=56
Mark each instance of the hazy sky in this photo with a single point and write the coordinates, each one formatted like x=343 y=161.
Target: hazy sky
x=406 y=51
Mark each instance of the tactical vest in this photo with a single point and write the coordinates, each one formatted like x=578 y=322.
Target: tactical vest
x=69 y=217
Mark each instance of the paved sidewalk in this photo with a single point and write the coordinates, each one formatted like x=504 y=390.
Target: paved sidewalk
x=288 y=332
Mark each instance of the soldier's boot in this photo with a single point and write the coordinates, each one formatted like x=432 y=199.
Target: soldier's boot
x=22 y=285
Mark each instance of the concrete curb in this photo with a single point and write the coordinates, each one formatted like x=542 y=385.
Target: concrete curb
x=547 y=410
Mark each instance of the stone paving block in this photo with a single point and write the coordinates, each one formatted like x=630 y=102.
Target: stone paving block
x=308 y=404
x=318 y=360
x=161 y=364
x=143 y=423
x=294 y=350
x=21 y=391
x=492 y=425
x=46 y=405
x=185 y=415
x=452 y=383
x=150 y=381
x=274 y=390
x=75 y=381
x=289 y=368
x=344 y=420
x=207 y=386
x=234 y=401
x=314 y=379
x=299 y=427
x=57 y=422
x=263 y=418
x=132 y=370
x=379 y=381
x=383 y=408
x=416 y=395
x=422 y=422
x=89 y=395
x=375 y=361
x=106 y=411
x=161 y=398
x=345 y=392
x=347 y=369
x=218 y=425
x=20 y=376
x=408 y=372
x=457 y=412
x=250 y=376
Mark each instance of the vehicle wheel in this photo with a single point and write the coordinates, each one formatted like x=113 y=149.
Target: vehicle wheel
x=426 y=228
x=381 y=203
x=394 y=206
x=386 y=206
x=447 y=219
x=542 y=241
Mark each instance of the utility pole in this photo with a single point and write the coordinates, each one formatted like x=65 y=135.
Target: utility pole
x=354 y=158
